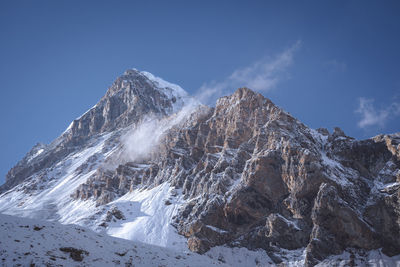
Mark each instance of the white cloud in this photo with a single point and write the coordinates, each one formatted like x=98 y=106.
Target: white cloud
x=261 y=76
x=336 y=65
x=370 y=116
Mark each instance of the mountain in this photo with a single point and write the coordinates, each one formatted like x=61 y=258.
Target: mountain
x=149 y=163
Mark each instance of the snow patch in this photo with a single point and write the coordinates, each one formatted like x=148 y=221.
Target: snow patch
x=174 y=92
x=148 y=218
x=288 y=222
x=215 y=229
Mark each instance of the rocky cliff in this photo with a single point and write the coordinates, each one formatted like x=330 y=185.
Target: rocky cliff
x=244 y=173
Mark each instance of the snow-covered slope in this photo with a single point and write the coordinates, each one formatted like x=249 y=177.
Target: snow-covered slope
x=50 y=190
x=47 y=195
x=24 y=242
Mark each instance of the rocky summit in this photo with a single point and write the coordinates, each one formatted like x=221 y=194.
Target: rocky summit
x=149 y=163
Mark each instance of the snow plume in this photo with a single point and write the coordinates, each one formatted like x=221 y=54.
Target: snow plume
x=370 y=116
x=261 y=76
x=141 y=141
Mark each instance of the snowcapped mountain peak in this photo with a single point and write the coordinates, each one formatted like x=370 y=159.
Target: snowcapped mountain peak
x=143 y=85
x=148 y=163
x=133 y=97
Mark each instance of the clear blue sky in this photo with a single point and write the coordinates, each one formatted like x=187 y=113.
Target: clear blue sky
x=57 y=58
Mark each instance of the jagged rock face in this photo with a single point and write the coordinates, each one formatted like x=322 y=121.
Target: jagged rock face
x=247 y=168
x=257 y=177
x=337 y=226
x=105 y=185
x=130 y=97
x=251 y=175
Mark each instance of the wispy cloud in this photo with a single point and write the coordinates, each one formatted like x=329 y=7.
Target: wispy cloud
x=371 y=116
x=143 y=139
x=261 y=76
x=336 y=65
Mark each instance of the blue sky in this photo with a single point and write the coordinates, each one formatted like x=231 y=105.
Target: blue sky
x=329 y=63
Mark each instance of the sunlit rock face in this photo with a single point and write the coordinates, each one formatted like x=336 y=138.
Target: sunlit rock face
x=244 y=173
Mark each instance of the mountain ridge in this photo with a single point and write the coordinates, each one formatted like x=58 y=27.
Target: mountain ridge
x=117 y=108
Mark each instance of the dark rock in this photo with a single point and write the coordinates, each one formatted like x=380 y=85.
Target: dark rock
x=74 y=253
